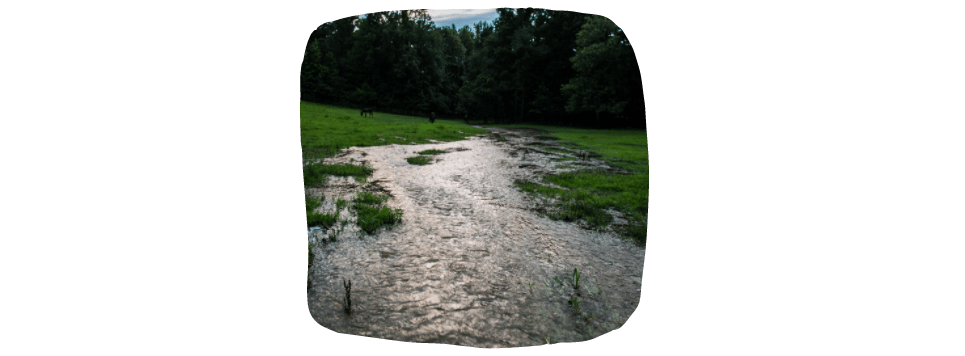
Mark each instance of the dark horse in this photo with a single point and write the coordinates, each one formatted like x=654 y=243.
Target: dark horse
x=432 y=117
x=367 y=110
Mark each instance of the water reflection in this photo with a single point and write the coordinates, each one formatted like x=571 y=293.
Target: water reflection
x=470 y=263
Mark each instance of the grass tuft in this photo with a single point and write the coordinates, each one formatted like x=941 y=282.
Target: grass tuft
x=312 y=203
x=367 y=198
x=325 y=220
x=432 y=152
x=419 y=160
x=340 y=204
x=372 y=218
x=372 y=214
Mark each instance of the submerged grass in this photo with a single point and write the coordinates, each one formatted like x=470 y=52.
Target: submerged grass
x=625 y=149
x=535 y=188
x=588 y=194
x=585 y=196
x=325 y=220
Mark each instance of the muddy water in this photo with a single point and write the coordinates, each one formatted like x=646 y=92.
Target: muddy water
x=471 y=264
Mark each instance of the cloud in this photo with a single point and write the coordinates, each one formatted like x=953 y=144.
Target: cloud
x=452 y=15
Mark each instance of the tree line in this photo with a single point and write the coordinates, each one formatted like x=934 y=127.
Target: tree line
x=529 y=65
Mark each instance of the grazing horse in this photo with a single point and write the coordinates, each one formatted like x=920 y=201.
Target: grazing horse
x=367 y=110
x=432 y=117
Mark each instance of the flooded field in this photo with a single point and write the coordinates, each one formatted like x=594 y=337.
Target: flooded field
x=471 y=263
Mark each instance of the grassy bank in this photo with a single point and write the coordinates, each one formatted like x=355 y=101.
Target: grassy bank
x=326 y=129
x=586 y=195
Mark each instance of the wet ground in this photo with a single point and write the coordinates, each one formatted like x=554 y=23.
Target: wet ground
x=471 y=263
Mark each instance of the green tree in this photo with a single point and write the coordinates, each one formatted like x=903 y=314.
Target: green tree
x=310 y=70
x=607 y=79
x=554 y=42
x=557 y=67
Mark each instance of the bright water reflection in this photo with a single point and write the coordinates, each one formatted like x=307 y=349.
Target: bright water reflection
x=471 y=264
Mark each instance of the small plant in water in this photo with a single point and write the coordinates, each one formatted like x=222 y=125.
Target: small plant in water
x=340 y=203
x=575 y=303
x=348 y=295
x=334 y=232
x=576 y=279
x=311 y=259
x=311 y=255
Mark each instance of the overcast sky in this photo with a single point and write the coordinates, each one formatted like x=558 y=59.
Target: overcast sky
x=445 y=18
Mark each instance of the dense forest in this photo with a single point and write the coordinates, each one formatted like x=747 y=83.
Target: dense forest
x=529 y=65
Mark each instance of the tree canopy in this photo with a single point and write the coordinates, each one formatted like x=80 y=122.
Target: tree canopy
x=529 y=65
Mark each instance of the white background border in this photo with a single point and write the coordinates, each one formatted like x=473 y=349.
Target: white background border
x=806 y=190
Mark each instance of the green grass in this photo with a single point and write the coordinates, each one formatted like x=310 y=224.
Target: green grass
x=373 y=214
x=340 y=204
x=419 y=160
x=626 y=149
x=316 y=175
x=557 y=150
x=312 y=203
x=372 y=218
x=534 y=188
x=587 y=194
x=367 y=198
x=326 y=129
x=432 y=152
x=325 y=220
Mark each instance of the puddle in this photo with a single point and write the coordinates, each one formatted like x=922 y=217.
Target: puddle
x=471 y=263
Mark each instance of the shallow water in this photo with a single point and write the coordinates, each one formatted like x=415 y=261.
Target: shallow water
x=470 y=263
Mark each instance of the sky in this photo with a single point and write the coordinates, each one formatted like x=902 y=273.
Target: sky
x=463 y=17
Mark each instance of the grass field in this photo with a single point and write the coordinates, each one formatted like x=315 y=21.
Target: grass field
x=327 y=129
x=586 y=195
